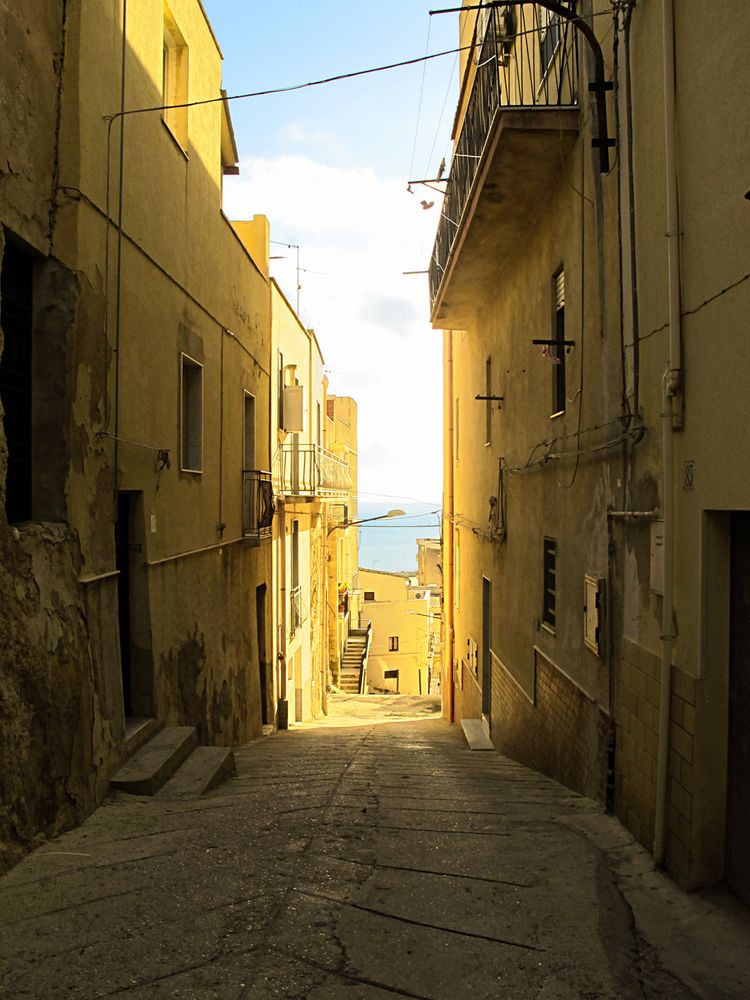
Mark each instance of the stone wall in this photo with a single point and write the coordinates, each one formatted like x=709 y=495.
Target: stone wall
x=563 y=734
x=637 y=709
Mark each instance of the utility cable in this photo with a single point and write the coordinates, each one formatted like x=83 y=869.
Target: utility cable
x=285 y=90
x=421 y=95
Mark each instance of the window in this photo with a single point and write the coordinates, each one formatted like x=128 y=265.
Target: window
x=192 y=415
x=15 y=378
x=557 y=352
x=456 y=571
x=248 y=440
x=392 y=643
x=280 y=402
x=455 y=430
x=369 y=595
x=174 y=79
x=295 y=554
x=549 y=583
x=488 y=401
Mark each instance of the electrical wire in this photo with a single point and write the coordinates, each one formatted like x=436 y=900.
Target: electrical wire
x=697 y=309
x=285 y=90
x=421 y=95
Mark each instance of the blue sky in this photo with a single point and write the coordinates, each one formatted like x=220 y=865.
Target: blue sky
x=329 y=167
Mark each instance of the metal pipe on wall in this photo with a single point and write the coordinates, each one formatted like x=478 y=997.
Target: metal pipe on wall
x=448 y=581
x=671 y=420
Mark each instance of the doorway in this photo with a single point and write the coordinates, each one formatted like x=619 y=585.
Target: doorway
x=486 y=642
x=738 y=776
x=260 y=625
x=136 y=658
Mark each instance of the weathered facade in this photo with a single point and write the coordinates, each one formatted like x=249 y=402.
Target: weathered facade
x=135 y=383
x=342 y=542
x=399 y=610
x=308 y=479
x=594 y=429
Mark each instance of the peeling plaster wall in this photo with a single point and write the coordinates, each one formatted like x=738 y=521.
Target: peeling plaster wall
x=205 y=644
x=57 y=701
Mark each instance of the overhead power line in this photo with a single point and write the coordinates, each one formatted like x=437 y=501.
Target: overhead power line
x=289 y=89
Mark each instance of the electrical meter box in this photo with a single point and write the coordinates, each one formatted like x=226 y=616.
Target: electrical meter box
x=294 y=409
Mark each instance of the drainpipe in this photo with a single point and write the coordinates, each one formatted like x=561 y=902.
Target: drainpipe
x=671 y=421
x=448 y=595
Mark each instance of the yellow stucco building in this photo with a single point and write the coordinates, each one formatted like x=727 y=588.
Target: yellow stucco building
x=402 y=647
x=135 y=387
x=596 y=487
x=312 y=483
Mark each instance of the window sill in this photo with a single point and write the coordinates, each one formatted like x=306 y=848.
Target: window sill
x=559 y=413
x=192 y=472
x=548 y=628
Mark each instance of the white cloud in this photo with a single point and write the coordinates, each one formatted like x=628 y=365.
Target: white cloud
x=360 y=232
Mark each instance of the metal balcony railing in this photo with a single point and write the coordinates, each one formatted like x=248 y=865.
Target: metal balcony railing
x=257 y=504
x=296 y=610
x=309 y=470
x=527 y=59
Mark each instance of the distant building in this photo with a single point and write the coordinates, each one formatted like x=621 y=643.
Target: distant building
x=402 y=648
x=311 y=482
x=344 y=593
x=429 y=562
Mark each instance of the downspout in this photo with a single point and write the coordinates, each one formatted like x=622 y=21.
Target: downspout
x=118 y=279
x=448 y=596
x=671 y=421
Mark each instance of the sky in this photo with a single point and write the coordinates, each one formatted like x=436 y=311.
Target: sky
x=329 y=166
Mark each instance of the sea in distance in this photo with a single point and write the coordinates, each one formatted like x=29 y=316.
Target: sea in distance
x=391 y=545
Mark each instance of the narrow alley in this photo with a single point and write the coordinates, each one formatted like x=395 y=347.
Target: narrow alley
x=336 y=865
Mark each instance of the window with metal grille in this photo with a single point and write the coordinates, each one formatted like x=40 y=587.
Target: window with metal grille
x=392 y=643
x=557 y=352
x=16 y=308
x=369 y=595
x=549 y=592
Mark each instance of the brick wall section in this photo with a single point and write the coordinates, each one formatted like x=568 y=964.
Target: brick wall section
x=680 y=777
x=564 y=734
x=637 y=715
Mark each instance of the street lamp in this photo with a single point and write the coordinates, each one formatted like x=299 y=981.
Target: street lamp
x=381 y=517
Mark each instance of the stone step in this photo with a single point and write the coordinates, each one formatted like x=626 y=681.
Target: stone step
x=156 y=761
x=476 y=734
x=205 y=768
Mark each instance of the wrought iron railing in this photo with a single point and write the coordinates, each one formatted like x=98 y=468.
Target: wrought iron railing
x=528 y=58
x=309 y=470
x=257 y=504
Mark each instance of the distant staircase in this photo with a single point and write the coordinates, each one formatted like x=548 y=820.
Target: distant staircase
x=353 y=661
x=173 y=765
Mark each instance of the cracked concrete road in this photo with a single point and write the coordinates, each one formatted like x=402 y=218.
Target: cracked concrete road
x=372 y=855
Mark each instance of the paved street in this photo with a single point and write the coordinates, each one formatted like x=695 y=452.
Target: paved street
x=370 y=856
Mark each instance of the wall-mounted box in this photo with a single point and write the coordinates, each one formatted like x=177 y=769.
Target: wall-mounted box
x=657 y=557
x=294 y=411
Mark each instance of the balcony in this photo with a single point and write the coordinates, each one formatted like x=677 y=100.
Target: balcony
x=521 y=121
x=297 y=616
x=257 y=504
x=309 y=472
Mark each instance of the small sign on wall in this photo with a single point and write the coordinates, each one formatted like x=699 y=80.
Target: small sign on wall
x=593 y=613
